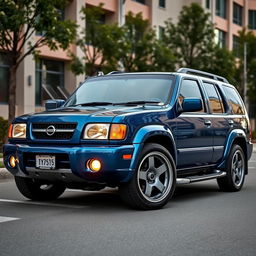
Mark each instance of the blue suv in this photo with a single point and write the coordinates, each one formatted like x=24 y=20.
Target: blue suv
x=141 y=132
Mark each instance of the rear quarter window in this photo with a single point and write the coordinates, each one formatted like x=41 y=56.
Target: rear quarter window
x=234 y=100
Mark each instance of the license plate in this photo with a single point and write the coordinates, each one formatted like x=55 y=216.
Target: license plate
x=45 y=162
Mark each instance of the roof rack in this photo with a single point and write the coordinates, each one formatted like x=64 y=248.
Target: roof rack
x=203 y=74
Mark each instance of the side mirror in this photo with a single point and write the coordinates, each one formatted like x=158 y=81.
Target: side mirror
x=52 y=104
x=191 y=105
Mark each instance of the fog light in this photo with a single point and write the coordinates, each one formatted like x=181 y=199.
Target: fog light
x=12 y=161
x=94 y=165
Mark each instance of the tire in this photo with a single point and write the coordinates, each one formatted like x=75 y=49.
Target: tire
x=38 y=190
x=236 y=165
x=154 y=180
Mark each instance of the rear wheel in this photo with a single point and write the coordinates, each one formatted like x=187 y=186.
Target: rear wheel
x=236 y=164
x=39 y=190
x=154 y=181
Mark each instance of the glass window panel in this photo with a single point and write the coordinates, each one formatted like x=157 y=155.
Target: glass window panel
x=216 y=104
x=221 y=8
x=237 y=14
x=190 y=89
x=235 y=100
x=162 y=3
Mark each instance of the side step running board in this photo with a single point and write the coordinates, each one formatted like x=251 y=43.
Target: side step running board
x=191 y=179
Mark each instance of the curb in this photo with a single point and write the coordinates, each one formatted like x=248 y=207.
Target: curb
x=4 y=174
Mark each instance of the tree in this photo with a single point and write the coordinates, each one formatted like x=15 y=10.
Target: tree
x=192 y=41
x=248 y=38
x=99 y=43
x=132 y=47
x=19 y=20
x=192 y=38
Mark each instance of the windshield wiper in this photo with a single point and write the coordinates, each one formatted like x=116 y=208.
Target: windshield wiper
x=93 y=103
x=139 y=102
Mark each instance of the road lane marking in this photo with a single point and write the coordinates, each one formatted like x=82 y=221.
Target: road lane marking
x=42 y=204
x=251 y=167
x=5 y=219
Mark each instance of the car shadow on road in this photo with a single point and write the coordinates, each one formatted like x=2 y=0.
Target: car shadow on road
x=110 y=199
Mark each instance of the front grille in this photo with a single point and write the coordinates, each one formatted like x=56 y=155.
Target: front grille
x=62 y=160
x=57 y=131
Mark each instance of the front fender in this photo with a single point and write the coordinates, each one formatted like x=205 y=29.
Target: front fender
x=145 y=133
x=236 y=133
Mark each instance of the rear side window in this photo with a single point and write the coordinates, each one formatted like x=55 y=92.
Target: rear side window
x=234 y=100
x=216 y=104
x=190 y=89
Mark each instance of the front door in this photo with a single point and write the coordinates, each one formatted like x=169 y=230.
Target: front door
x=193 y=131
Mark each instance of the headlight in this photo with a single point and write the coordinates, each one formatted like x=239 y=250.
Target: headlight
x=96 y=131
x=105 y=131
x=17 y=131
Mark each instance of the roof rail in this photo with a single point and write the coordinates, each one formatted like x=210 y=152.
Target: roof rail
x=203 y=74
x=115 y=72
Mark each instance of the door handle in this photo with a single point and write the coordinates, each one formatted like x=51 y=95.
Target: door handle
x=207 y=122
x=231 y=122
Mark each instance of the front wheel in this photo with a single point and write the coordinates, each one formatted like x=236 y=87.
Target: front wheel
x=236 y=165
x=154 y=181
x=39 y=190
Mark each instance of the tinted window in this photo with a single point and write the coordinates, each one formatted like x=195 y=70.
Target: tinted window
x=234 y=100
x=216 y=104
x=190 y=89
x=123 y=88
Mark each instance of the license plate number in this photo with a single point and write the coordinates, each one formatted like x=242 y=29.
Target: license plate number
x=45 y=162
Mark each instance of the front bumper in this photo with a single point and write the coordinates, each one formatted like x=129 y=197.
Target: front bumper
x=114 y=170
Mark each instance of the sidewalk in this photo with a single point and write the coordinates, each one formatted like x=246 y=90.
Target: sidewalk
x=4 y=174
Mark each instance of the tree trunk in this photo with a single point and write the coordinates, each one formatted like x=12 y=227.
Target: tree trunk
x=12 y=93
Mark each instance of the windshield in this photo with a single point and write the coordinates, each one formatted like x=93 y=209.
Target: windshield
x=123 y=88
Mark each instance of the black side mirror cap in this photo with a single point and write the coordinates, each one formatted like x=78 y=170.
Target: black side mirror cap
x=53 y=104
x=192 y=105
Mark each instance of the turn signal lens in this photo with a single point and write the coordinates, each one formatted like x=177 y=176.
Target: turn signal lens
x=12 y=161
x=94 y=165
x=10 y=131
x=117 y=132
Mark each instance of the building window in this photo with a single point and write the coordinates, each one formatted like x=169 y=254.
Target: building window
x=208 y=4
x=49 y=77
x=236 y=45
x=161 y=33
x=140 y=1
x=237 y=14
x=4 y=77
x=220 y=38
x=162 y=3
x=221 y=8
x=252 y=19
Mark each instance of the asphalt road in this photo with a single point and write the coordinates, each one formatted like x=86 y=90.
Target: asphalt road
x=199 y=220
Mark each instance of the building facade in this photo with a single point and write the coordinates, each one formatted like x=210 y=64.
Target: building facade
x=50 y=77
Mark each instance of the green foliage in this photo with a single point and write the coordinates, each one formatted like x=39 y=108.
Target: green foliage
x=98 y=42
x=192 y=38
x=249 y=39
x=132 y=47
x=19 y=20
x=192 y=41
x=3 y=130
x=254 y=135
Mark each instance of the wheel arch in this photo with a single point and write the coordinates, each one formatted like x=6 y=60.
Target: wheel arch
x=153 y=134
x=236 y=137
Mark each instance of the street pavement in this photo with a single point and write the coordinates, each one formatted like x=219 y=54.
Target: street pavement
x=199 y=220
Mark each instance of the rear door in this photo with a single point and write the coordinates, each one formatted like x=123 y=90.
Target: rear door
x=193 y=130
x=219 y=112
